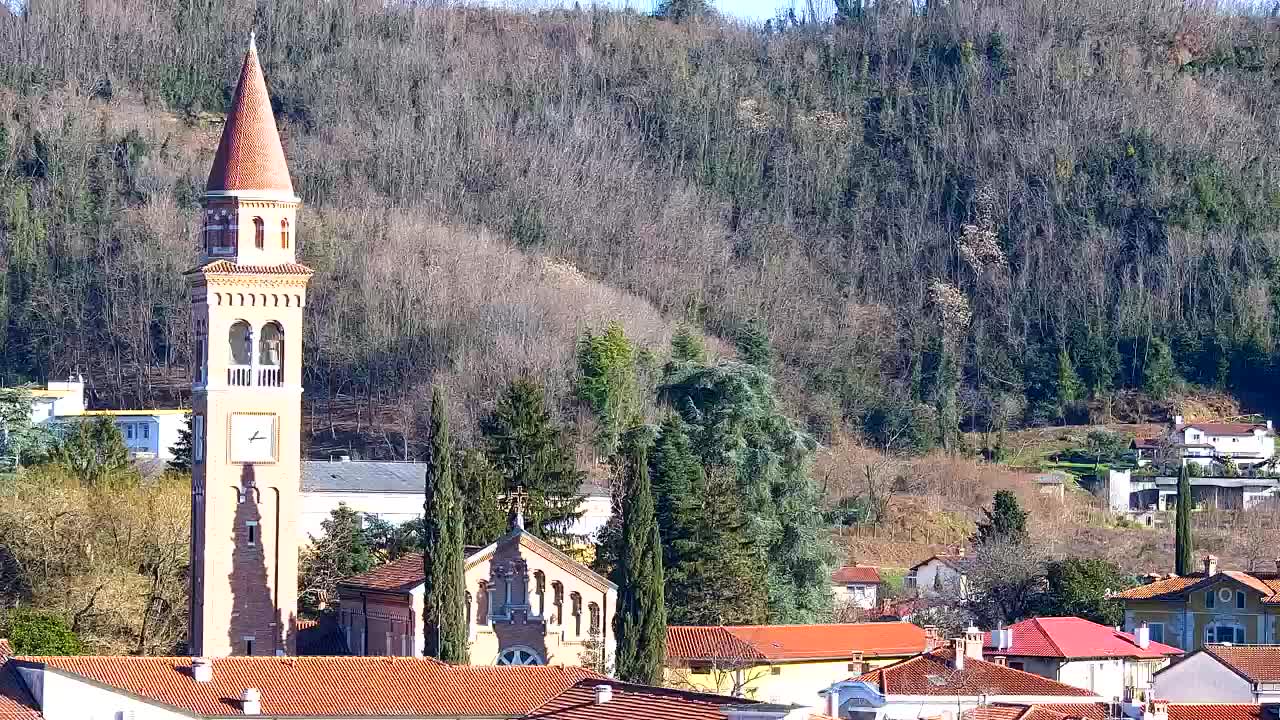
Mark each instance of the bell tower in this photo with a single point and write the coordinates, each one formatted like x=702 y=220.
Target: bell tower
x=247 y=298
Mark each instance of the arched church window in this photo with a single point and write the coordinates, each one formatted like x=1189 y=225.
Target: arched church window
x=482 y=604
x=594 y=611
x=540 y=587
x=575 y=603
x=284 y=233
x=240 y=343
x=271 y=346
x=519 y=655
x=468 y=601
x=259 y=233
x=557 y=599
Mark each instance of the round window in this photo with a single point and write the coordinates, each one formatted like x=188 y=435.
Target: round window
x=1225 y=595
x=519 y=656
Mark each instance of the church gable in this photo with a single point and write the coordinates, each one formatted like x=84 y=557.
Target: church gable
x=519 y=540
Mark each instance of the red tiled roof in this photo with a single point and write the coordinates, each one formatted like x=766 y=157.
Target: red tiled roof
x=250 y=156
x=1056 y=711
x=1257 y=663
x=1208 y=711
x=782 y=643
x=932 y=673
x=1071 y=637
x=398 y=575
x=1224 y=428
x=634 y=702
x=15 y=702
x=331 y=686
x=226 y=266
x=6 y=649
x=1176 y=588
x=856 y=574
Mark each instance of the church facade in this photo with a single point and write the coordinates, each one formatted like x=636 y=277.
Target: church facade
x=247 y=300
x=527 y=603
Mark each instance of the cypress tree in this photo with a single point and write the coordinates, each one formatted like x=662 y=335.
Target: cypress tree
x=444 y=618
x=642 y=615
x=1183 y=547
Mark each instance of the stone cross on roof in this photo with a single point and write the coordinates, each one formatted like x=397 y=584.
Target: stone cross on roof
x=519 y=501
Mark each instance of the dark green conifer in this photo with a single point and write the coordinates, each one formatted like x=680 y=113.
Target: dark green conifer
x=642 y=616
x=444 y=616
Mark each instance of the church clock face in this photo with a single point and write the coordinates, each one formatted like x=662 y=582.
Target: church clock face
x=253 y=438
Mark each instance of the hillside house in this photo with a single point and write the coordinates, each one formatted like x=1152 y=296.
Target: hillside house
x=1216 y=673
x=1246 y=444
x=784 y=663
x=1209 y=607
x=946 y=682
x=1083 y=654
x=856 y=586
x=942 y=576
x=147 y=433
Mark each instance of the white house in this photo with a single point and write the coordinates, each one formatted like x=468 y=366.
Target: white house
x=1247 y=444
x=393 y=491
x=943 y=684
x=1223 y=674
x=942 y=575
x=147 y=433
x=1083 y=654
x=856 y=586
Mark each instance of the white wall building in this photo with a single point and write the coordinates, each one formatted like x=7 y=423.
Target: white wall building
x=147 y=433
x=941 y=576
x=1223 y=674
x=1246 y=444
x=856 y=586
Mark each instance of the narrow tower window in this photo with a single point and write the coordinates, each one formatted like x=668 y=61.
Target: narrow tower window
x=284 y=233
x=259 y=233
x=251 y=533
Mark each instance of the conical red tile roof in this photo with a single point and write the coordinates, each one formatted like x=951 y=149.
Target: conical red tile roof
x=250 y=156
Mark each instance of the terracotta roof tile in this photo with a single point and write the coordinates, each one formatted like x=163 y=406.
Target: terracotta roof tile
x=226 y=266
x=1257 y=663
x=330 y=687
x=6 y=650
x=1056 y=711
x=932 y=674
x=781 y=643
x=1208 y=711
x=1071 y=637
x=856 y=574
x=634 y=702
x=250 y=156
x=396 y=576
x=1175 y=588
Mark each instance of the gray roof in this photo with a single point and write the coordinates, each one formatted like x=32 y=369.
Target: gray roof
x=1057 y=477
x=375 y=476
x=356 y=476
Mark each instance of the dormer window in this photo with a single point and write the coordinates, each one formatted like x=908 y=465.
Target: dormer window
x=259 y=233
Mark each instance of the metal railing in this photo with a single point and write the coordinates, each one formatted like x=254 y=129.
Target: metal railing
x=250 y=376
x=240 y=375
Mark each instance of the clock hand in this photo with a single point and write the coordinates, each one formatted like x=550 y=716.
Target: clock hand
x=257 y=435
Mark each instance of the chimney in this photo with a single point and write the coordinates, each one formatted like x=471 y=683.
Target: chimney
x=202 y=669
x=251 y=702
x=1278 y=565
x=931 y=633
x=886 y=606
x=1142 y=637
x=1157 y=710
x=1269 y=428
x=958 y=663
x=604 y=693
x=1210 y=565
x=856 y=664
x=973 y=642
x=1000 y=660
x=1177 y=420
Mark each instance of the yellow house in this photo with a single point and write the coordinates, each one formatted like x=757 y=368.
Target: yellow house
x=1213 y=606
x=785 y=663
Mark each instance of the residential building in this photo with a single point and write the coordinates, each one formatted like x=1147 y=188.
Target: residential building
x=1083 y=654
x=1245 y=444
x=944 y=683
x=148 y=433
x=1223 y=674
x=355 y=688
x=393 y=491
x=856 y=586
x=1212 y=606
x=1211 y=711
x=783 y=663
x=1133 y=494
x=942 y=576
x=527 y=603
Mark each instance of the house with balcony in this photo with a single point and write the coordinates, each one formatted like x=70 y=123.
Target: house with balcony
x=1245 y=444
x=148 y=433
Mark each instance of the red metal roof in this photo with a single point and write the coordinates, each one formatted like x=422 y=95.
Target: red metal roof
x=634 y=702
x=330 y=686
x=250 y=156
x=1071 y=637
x=933 y=673
x=856 y=574
x=1257 y=663
x=783 y=643
x=1208 y=711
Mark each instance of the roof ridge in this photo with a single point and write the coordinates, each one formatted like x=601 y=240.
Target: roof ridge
x=1047 y=637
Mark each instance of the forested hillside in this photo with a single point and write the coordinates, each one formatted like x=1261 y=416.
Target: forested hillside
x=976 y=217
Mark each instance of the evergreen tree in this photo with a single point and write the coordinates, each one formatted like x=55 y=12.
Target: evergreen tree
x=1184 y=562
x=181 y=461
x=480 y=485
x=1158 y=374
x=529 y=450
x=641 y=616
x=752 y=342
x=1081 y=587
x=1006 y=520
x=92 y=449
x=341 y=551
x=1068 y=384
x=444 y=616
x=676 y=473
x=607 y=383
x=686 y=346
